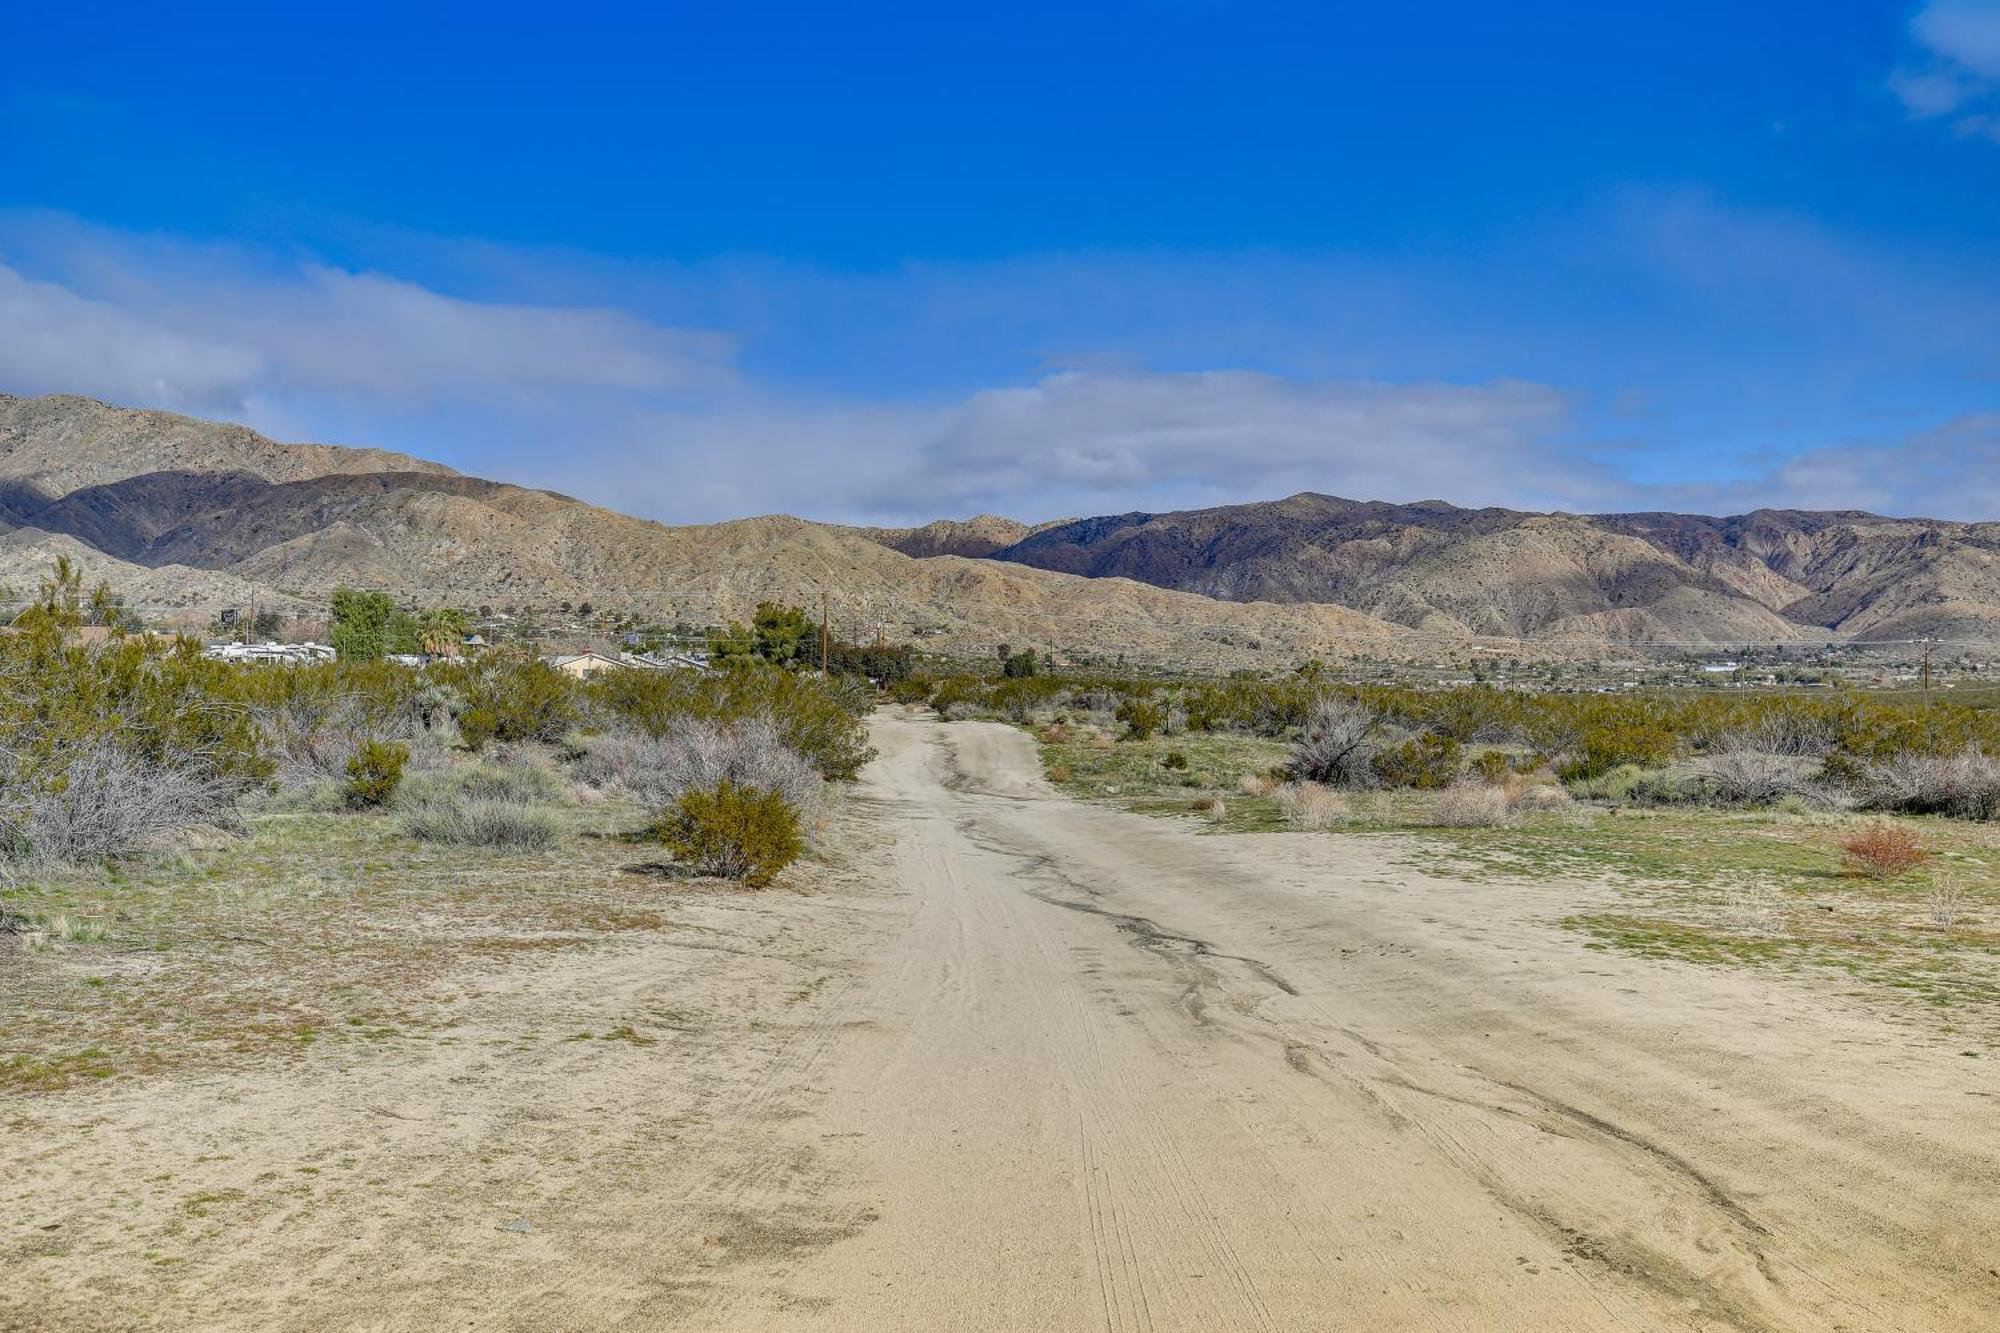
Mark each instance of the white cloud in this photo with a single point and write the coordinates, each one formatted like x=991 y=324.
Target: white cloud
x=1078 y=440
x=1076 y=443
x=926 y=392
x=1965 y=32
x=159 y=323
x=55 y=341
x=1948 y=471
x=1957 y=73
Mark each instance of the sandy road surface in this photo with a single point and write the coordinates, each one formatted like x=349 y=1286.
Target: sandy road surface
x=1116 y=1075
x=1032 y=1065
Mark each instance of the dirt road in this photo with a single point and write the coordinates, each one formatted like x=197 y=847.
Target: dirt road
x=1116 y=1075
x=1044 y=1066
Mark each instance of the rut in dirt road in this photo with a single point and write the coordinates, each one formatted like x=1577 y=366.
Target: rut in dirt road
x=1117 y=1074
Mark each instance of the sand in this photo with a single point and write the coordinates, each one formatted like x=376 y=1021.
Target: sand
x=1020 y=1063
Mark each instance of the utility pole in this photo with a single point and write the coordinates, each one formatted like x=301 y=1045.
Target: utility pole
x=825 y=636
x=1927 y=673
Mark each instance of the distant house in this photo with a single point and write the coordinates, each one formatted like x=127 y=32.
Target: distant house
x=589 y=662
x=284 y=654
x=585 y=664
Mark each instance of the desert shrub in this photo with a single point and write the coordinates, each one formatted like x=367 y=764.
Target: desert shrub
x=910 y=690
x=486 y=804
x=1539 y=798
x=1626 y=782
x=311 y=720
x=516 y=699
x=1309 y=806
x=1738 y=774
x=1095 y=699
x=1492 y=766
x=374 y=773
x=454 y=818
x=1256 y=784
x=1059 y=773
x=1215 y=810
x=1469 y=805
x=1479 y=713
x=1337 y=746
x=1426 y=761
x=1884 y=851
x=817 y=718
x=1615 y=742
x=1965 y=783
x=732 y=832
x=1142 y=717
x=96 y=800
x=164 y=706
x=1946 y=903
x=692 y=754
x=1174 y=759
x=521 y=783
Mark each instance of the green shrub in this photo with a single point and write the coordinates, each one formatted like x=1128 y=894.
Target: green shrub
x=1175 y=760
x=518 y=699
x=1426 y=762
x=374 y=773
x=1604 y=745
x=819 y=718
x=1493 y=766
x=732 y=832
x=1142 y=718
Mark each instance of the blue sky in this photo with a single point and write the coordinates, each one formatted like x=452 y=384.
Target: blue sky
x=884 y=263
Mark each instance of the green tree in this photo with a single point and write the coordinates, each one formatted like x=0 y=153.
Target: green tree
x=440 y=630
x=782 y=635
x=363 y=623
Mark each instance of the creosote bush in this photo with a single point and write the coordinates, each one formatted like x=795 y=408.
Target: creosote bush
x=1142 y=717
x=1885 y=851
x=733 y=832
x=374 y=773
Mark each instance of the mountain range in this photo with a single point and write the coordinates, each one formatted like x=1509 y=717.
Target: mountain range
x=186 y=516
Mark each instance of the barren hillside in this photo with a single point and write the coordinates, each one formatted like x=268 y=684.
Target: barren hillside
x=196 y=513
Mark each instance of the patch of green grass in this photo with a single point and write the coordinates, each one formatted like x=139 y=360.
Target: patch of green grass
x=22 y=1072
x=1135 y=775
x=1649 y=937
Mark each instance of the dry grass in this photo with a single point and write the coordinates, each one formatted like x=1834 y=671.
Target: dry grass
x=1470 y=805
x=1946 y=902
x=1309 y=806
x=1538 y=798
